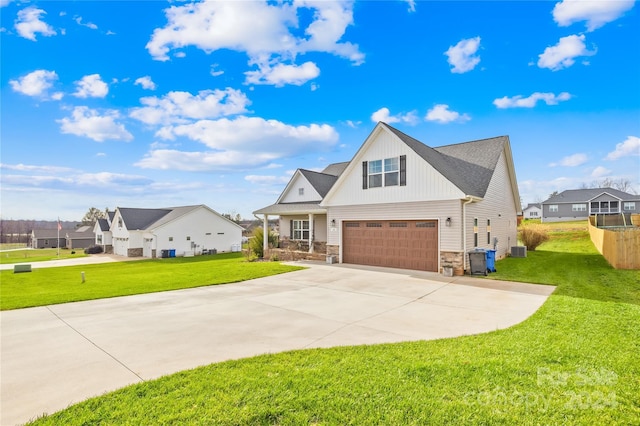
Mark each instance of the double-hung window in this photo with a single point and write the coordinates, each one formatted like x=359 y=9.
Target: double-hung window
x=391 y=172
x=628 y=206
x=300 y=230
x=388 y=172
x=375 y=174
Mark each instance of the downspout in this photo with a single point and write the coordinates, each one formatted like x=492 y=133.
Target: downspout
x=469 y=199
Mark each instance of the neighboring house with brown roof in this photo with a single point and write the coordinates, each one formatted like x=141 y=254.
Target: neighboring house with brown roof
x=577 y=204
x=401 y=203
x=183 y=231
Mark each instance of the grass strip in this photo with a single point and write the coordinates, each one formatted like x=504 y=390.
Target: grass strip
x=38 y=255
x=47 y=286
x=575 y=361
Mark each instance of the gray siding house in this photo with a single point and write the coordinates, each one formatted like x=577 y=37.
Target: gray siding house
x=577 y=204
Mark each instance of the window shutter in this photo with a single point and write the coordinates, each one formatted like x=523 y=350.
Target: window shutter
x=403 y=170
x=365 y=177
x=291 y=229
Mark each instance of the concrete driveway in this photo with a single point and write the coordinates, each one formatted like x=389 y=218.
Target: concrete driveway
x=57 y=355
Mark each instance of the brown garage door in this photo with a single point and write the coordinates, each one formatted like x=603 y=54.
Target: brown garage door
x=394 y=244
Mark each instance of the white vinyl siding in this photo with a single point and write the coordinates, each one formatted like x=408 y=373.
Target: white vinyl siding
x=498 y=207
x=300 y=191
x=450 y=236
x=423 y=182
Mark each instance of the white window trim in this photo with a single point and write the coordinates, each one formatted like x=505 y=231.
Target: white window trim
x=299 y=228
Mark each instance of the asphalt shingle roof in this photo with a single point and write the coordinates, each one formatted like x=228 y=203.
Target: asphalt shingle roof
x=135 y=218
x=321 y=182
x=468 y=165
x=583 y=195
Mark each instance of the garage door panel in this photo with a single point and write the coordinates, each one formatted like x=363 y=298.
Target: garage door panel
x=396 y=244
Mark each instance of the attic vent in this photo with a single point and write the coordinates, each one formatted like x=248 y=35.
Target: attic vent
x=518 y=251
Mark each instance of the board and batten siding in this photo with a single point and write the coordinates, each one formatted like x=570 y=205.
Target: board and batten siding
x=499 y=206
x=292 y=195
x=450 y=238
x=423 y=182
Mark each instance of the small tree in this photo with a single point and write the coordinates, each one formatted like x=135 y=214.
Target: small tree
x=256 y=241
x=533 y=236
x=93 y=215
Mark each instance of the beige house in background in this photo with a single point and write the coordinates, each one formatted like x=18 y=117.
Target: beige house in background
x=400 y=203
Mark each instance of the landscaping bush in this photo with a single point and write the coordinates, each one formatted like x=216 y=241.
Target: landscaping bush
x=255 y=243
x=533 y=236
x=93 y=250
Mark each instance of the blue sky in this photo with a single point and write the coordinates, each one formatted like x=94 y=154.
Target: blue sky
x=154 y=104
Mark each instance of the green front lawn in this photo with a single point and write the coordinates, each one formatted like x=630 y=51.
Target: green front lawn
x=47 y=286
x=575 y=361
x=38 y=255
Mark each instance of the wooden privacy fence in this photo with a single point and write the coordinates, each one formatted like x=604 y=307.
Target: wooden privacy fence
x=621 y=247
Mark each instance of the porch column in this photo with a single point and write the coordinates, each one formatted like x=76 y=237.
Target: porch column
x=310 y=232
x=265 y=235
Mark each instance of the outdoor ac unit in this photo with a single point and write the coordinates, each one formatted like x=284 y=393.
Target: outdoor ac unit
x=518 y=251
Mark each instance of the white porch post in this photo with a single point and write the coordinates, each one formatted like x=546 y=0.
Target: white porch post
x=265 y=234
x=310 y=232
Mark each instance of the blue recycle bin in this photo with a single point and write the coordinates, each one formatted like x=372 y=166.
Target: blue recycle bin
x=172 y=253
x=491 y=260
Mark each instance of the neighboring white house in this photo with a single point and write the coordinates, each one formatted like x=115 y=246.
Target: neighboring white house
x=102 y=232
x=532 y=211
x=400 y=203
x=182 y=231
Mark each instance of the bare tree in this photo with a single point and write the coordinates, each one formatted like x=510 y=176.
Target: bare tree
x=93 y=215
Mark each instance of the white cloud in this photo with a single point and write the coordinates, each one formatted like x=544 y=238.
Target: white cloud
x=35 y=83
x=442 y=114
x=630 y=147
x=354 y=124
x=412 y=5
x=595 y=13
x=180 y=107
x=214 y=72
x=282 y=74
x=563 y=54
x=529 y=102
x=91 y=86
x=267 y=180
x=29 y=23
x=34 y=169
x=241 y=143
x=89 y=123
x=268 y=33
x=384 y=115
x=571 y=161
x=146 y=83
x=91 y=25
x=462 y=55
x=599 y=172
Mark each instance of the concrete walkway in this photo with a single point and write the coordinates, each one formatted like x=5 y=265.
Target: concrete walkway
x=58 y=355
